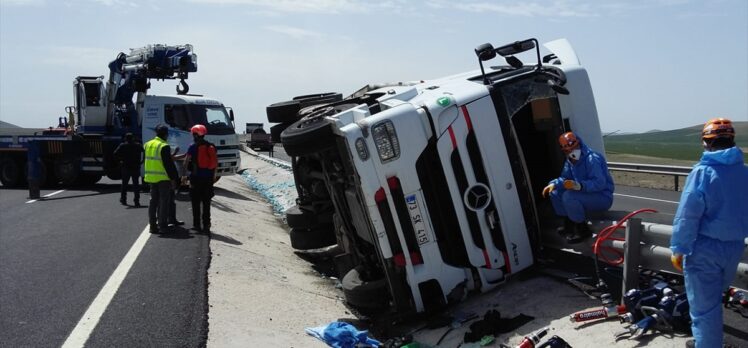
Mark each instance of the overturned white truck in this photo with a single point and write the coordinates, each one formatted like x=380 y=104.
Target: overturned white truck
x=433 y=188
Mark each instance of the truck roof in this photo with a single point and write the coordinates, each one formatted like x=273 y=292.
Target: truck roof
x=186 y=99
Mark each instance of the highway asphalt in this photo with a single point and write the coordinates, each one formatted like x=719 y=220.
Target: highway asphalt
x=57 y=254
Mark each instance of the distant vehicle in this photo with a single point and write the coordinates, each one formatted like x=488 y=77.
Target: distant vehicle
x=257 y=138
x=432 y=188
x=80 y=149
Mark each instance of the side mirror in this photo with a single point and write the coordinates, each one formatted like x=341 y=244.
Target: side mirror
x=231 y=115
x=485 y=52
x=516 y=47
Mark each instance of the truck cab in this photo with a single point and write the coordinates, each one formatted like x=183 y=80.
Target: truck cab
x=436 y=184
x=178 y=112
x=182 y=112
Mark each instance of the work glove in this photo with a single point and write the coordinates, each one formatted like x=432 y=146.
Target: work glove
x=572 y=185
x=548 y=189
x=677 y=261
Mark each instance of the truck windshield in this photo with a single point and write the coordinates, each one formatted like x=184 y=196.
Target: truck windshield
x=214 y=117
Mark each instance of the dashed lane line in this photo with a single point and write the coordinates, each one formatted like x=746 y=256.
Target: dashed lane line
x=90 y=319
x=45 y=196
x=647 y=198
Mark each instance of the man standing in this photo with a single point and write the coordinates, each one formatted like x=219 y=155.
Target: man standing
x=161 y=174
x=584 y=185
x=201 y=161
x=130 y=155
x=709 y=229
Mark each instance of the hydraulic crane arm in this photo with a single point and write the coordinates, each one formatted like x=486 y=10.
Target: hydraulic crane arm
x=150 y=62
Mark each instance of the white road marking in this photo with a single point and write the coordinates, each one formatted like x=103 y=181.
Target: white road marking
x=651 y=199
x=90 y=319
x=45 y=196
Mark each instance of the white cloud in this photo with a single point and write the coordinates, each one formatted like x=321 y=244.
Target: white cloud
x=21 y=2
x=296 y=33
x=117 y=3
x=555 y=8
x=301 y=6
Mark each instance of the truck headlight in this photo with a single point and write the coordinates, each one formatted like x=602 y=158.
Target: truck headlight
x=386 y=141
x=363 y=152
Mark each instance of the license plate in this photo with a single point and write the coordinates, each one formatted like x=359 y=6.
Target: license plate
x=417 y=219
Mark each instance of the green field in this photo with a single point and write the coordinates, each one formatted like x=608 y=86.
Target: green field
x=679 y=144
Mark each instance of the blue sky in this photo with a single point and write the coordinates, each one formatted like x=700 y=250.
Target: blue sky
x=654 y=64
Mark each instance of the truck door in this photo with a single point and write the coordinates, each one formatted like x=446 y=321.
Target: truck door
x=90 y=102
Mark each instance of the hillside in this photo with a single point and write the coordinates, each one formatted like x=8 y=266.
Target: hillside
x=682 y=144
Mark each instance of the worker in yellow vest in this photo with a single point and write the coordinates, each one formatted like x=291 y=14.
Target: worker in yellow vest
x=161 y=174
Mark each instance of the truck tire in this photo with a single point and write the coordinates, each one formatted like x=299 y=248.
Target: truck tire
x=312 y=133
x=87 y=179
x=66 y=171
x=298 y=217
x=317 y=99
x=11 y=173
x=313 y=238
x=363 y=293
x=275 y=131
x=287 y=111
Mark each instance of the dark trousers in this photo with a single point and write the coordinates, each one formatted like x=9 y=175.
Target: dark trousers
x=201 y=191
x=160 y=205
x=127 y=174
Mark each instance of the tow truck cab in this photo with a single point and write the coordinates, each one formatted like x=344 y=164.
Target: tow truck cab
x=436 y=185
x=178 y=112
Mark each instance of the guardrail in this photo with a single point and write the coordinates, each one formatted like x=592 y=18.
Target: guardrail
x=675 y=171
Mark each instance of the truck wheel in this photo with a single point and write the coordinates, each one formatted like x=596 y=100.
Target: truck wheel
x=314 y=238
x=11 y=173
x=298 y=217
x=66 y=171
x=317 y=99
x=312 y=133
x=87 y=179
x=287 y=111
x=275 y=131
x=364 y=293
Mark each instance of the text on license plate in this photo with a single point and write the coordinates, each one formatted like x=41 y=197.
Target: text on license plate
x=417 y=219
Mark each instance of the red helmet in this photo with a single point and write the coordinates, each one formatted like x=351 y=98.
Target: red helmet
x=718 y=128
x=568 y=142
x=199 y=130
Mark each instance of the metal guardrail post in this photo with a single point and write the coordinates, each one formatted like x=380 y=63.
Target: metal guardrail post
x=632 y=254
x=34 y=169
x=656 y=169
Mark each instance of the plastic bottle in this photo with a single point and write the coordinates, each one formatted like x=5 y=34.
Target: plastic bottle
x=532 y=339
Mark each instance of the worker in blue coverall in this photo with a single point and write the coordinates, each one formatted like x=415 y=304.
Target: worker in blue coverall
x=584 y=185
x=709 y=229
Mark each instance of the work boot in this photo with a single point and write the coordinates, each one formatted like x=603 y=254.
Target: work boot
x=691 y=344
x=123 y=201
x=581 y=232
x=568 y=229
x=137 y=204
x=196 y=226
x=176 y=223
x=206 y=228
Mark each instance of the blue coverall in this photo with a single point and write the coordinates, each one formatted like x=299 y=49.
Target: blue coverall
x=709 y=228
x=591 y=171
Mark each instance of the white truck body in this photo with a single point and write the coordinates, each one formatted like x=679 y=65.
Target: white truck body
x=443 y=177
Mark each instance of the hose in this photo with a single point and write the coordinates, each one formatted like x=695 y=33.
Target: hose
x=606 y=234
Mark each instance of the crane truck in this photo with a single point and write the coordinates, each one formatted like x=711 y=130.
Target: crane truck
x=80 y=149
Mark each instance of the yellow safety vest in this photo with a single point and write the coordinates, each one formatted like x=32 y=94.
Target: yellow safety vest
x=154 y=166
